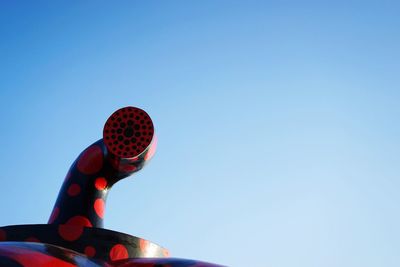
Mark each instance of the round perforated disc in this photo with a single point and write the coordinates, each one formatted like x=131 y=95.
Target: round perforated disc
x=128 y=132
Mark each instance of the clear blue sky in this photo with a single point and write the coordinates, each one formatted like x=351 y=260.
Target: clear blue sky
x=278 y=122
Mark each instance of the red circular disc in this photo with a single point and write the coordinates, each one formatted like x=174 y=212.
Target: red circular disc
x=128 y=132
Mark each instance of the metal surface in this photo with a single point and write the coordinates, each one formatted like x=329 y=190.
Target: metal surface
x=74 y=235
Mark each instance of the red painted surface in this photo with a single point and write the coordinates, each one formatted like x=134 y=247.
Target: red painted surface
x=99 y=207
x=91 y=160
x=73 y=190
x=118 y=252
x=100 y=183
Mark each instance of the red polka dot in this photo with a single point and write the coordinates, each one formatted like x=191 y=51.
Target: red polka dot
x=79 y=221
x=73 y=190
x=99 y=207
x=143 y=244
x=73 y=229
x=54 y=214
x=118 y=252
x=32 y=239
x=70 y=233
x=3 y=235
x=100 y=183
x=165 y=253
x=90 y=251
x=27 y=256
x=152 y=149
x=127 y=168
x=91 y=160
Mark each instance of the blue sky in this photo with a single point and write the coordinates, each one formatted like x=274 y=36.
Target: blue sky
x=278 y=122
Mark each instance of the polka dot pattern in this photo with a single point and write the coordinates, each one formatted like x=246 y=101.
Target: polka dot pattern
x=77 y=235
x=73 y=229
x=90 y=251
x=70 y=233
x=118 y=252
x=79 y=221
x=129 y=137
x=128 y=142
x=91 y=160
x=99 y=207
x=80 y=190
x=23 y=254
x=128 y=132
x=73 y=190
x=165 y=253
x=100 y=183
x=143 y=244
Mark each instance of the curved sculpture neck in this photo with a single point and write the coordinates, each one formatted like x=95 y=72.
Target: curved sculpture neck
x=128 y=143
x=83 y=195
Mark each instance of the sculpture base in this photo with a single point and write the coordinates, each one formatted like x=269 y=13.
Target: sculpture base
x=96 y=243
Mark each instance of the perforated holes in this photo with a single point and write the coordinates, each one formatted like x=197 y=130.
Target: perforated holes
x=128 y=132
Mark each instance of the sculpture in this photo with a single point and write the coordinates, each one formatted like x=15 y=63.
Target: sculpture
x=74 y=235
